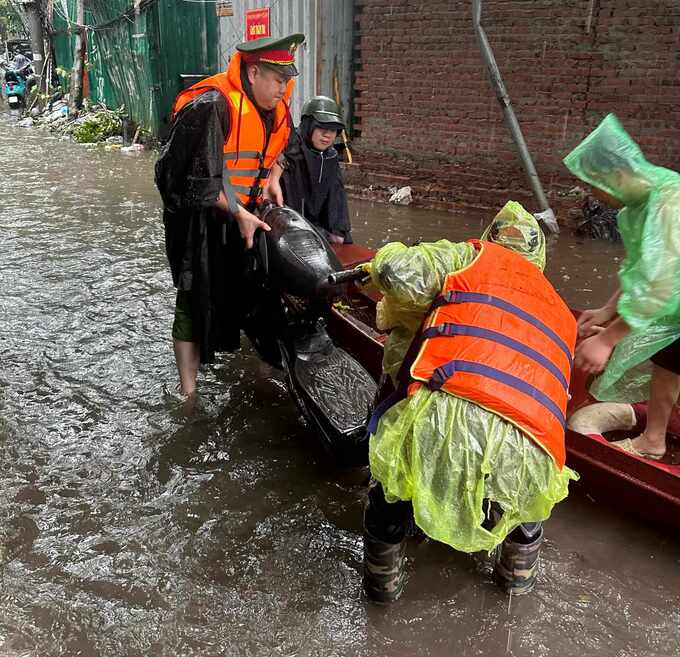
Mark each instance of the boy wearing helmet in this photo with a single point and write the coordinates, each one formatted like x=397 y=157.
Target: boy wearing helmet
x=311 y=181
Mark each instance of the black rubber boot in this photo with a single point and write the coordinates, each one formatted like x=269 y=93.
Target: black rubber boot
x=383 y=568
x=385 y=531
x=516 y=566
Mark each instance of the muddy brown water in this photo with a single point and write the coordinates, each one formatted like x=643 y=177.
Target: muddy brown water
x=131 y=525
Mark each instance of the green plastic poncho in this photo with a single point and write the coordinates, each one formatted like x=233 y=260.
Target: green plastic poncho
x=650 y=273
x=445 y=454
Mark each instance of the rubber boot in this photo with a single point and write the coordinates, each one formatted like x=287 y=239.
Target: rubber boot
x=383 y=568
x=516 y=566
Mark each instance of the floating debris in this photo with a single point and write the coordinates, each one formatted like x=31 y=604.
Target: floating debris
x=402 y=196
x=93 y=126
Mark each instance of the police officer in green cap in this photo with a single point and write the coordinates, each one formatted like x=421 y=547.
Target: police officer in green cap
x=311 y=182
x=220 y=160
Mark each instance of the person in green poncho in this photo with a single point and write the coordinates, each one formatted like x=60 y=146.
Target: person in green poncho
x=467 y=476
x=638 y=352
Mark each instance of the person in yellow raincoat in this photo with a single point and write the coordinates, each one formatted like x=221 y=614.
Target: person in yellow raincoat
x=638 y=352
x=467 y=476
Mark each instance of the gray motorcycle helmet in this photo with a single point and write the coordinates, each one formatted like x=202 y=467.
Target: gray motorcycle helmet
x=324 y=110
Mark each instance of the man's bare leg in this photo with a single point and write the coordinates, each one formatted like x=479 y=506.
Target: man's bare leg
x=188 y=358
x=664 y=395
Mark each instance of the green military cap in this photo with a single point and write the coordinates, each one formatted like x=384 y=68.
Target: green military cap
x=278 y=52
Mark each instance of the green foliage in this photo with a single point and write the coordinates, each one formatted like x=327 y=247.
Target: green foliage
x=98 y=127
x=10 y=21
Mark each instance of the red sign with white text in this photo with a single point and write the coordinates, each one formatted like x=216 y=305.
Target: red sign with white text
x=257 y=23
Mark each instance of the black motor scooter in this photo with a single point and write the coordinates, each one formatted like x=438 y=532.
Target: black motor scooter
x=296 y=276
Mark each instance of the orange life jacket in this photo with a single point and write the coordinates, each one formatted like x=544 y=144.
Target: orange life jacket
x=500 y=336
x=248 y=157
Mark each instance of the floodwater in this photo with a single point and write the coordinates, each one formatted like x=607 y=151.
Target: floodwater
x=133 y=526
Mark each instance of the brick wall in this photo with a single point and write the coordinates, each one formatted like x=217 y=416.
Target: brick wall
x=425 y=113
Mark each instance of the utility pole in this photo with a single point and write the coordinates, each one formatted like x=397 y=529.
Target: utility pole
x=76 y=91
x=32 y=9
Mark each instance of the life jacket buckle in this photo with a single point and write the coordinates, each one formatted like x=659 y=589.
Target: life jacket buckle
x=445 y=299
x=440 y=376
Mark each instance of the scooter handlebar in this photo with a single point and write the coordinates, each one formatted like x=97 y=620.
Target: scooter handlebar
x=347 y=276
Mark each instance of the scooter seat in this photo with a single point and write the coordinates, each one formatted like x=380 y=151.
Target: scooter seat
x=338 y=385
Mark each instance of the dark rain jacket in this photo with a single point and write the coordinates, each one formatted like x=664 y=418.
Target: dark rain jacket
x=205 y=250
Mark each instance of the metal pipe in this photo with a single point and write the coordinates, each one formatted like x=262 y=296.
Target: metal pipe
x=546 y=215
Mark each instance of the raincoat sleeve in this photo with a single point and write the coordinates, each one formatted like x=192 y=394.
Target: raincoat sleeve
x=189 y=169
x=650 y=285
x=410 y=278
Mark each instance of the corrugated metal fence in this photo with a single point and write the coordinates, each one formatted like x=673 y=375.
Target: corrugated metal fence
x=137 y=51
x=324 y=61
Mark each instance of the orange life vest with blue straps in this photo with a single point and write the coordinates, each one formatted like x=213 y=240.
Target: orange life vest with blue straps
x=248 y=156
x=501 y=337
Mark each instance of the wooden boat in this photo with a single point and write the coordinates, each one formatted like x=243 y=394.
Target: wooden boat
x=640 y=486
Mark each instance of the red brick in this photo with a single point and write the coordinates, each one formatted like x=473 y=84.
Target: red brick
x=427 y=110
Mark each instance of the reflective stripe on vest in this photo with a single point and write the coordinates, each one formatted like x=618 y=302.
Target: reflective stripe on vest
x=501 y=337
x=453 y=329
x=445 y=372
x=474 y=297
x=247 y=163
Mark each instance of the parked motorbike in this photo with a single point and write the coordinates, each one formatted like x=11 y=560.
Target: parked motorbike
x=296 y=276
x=16 y=86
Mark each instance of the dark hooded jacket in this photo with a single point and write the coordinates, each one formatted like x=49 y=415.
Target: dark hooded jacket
x=312 y=183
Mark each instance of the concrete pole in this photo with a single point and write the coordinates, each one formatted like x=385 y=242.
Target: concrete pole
x=76 y=92
x=35 y=28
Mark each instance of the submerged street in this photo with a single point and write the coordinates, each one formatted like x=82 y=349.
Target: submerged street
x=132 y=525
